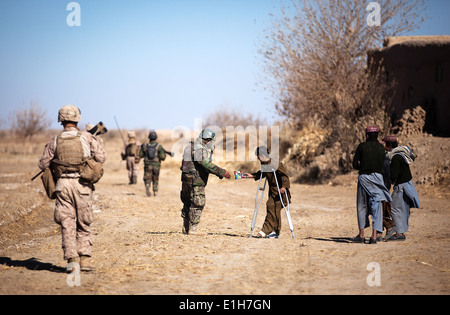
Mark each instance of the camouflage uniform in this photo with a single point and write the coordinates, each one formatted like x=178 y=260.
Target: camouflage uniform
x=196 y=167
x=130 y=153
x=73 y=209
x=152 y=164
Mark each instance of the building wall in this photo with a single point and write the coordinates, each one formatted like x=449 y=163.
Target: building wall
x=421 y=67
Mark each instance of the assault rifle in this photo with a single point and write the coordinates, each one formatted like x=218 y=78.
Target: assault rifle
x=99 y=129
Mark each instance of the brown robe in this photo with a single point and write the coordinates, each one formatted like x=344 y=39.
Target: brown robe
x=272 y=223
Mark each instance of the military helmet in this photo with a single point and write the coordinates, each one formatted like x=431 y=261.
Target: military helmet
x=69 y=113
x=152 y=135
x=131 y=134
x=207 y=134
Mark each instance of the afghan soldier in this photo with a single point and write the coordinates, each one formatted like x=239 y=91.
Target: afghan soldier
x=196 y=167
x=153 y=153
x=130 y=154
x=65 y=154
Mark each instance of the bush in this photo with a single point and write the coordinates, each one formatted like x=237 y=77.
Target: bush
x=27 y=122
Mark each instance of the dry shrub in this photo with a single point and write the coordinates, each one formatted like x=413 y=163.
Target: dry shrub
x=27 y=122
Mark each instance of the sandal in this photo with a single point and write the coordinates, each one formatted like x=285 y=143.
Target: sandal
x=358 y=239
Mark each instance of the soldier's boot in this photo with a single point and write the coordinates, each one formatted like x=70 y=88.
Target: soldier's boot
x=194 y=231
x=134 y=180
x=71 y=265
x=155 y=188
x=147 y=190
x=185 y=228
x=86 y=265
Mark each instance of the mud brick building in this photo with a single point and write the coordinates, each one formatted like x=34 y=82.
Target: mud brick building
x=421 y=67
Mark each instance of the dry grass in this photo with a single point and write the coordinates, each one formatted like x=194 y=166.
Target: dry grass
x=22 y=202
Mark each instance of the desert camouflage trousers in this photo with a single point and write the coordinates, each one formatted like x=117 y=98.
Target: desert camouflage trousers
x=194 y=200
x=151 y=175
x=73 y=212
x=132 y=168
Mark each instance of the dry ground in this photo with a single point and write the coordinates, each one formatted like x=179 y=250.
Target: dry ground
x=139 y=247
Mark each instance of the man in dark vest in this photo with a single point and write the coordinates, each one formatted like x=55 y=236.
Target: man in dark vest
x=404 y=195
x=369 y=160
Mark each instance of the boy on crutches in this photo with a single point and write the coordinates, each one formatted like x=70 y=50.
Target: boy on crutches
x=279 y=185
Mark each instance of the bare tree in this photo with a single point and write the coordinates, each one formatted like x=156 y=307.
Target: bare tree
x=26 y=122
x=315 y=57
x=224 y=116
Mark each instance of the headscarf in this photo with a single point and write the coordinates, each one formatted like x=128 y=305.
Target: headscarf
x=406 y=153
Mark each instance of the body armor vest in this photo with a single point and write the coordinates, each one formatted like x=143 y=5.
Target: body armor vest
x=191 y=167
x=68 y=155
x=187 y=165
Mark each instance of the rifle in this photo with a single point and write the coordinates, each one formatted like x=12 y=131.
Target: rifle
x=35 y=176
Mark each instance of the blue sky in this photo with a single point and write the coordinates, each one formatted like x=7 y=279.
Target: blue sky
x=152 y=64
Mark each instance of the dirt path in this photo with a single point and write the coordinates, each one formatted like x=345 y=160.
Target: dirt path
x=139 y=248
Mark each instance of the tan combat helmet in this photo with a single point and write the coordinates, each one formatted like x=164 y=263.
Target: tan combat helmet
x=69 y=113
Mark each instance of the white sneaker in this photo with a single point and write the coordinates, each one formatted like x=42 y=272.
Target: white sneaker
x=261 y=234
x=272 y=235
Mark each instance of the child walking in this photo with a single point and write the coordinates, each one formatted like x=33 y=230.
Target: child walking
x=272 y=223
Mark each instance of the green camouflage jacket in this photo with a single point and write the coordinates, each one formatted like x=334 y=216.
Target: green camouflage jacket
x=160 y=154
x=197 y=163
